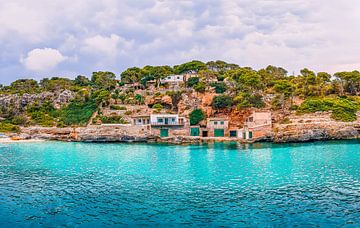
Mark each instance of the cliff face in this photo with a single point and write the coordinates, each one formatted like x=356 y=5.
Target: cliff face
x=101 y=133
x=317 y=126
x=19 y=102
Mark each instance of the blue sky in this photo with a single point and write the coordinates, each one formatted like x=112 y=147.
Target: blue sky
x=42 y=38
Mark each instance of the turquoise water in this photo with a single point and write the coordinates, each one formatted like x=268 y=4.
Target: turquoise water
x=79 y=184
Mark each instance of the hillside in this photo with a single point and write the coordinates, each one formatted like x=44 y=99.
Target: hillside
x=217 y=88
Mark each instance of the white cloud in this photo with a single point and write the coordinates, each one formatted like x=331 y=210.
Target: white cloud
x=108 y=46
x=42 y=59
x=113 y=35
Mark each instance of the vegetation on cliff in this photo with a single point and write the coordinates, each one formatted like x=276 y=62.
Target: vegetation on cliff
x=28 y=102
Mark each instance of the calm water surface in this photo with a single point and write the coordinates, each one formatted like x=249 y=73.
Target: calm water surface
x=79 y=184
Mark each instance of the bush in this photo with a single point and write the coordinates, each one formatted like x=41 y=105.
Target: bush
x=19 y=120
x=128 y=112
x=220 y=78
x=221 y=102
x=196 y=116
x=247 y=100
x=343 y=109
x=77 y=113
x=113 y=120
x=192 y=81
x=157 y=107
x=116 y=107
x=43 y=115
x=220 y=87
x=8 y=127
x=200 y=87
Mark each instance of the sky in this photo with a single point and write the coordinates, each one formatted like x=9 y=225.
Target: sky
x=66 y=38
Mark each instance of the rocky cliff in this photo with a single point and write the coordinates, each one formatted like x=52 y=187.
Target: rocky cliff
x=317 y=126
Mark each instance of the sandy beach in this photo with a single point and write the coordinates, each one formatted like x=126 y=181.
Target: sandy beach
x=9 y=140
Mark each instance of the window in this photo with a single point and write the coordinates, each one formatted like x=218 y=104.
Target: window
x=173 y=119
x=178 y=77
x=139 y=120
x=160 y=120
x=222 y=122
x=251 y=119
x=215 y=122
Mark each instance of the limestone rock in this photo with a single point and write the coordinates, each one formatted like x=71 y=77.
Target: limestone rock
x=166 y=100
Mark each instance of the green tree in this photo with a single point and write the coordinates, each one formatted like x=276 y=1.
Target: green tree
x=220 y=87
x=285 y=89
x=140 y=99
x=207 y=76
x=246 y=79
x=271 y=74
x=310 y=86
x=132 y=75
x=221 y=102
x=157 y=72
x=192 y=81
x=350 y=81
x=56 y=84
x=103 y=80
x=196 y=116
x=22 y=86
x=220 y=66
x=190 y=67
x=81 y=80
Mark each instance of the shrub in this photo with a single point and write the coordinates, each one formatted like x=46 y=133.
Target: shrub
x=220 y=87
x=77 y=113
x=128 y=112
x=247 y=100
x=19 y=120
x=139 y=99
x=200 y=87
x=343 y=109
x=285 y=121
x=157 y=107
x=192 y=81
x=196 y=116
x=117 y=107
x=220 y=78
x=113 y=120
x=8 y=127
x=221 y=102
x=43 y=115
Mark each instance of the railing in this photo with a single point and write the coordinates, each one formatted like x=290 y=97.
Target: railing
x=167 y=124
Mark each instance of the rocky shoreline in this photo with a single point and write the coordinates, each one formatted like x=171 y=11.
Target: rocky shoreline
x=310 y=127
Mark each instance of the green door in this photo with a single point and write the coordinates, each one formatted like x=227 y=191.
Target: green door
x=164 y=132
x=218 y=132
x=250 y=135
x=195 y=131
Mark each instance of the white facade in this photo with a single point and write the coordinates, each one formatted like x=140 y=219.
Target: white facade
x=167 y=120
x=173 y=79
x=141 y=120
x=164 y=119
